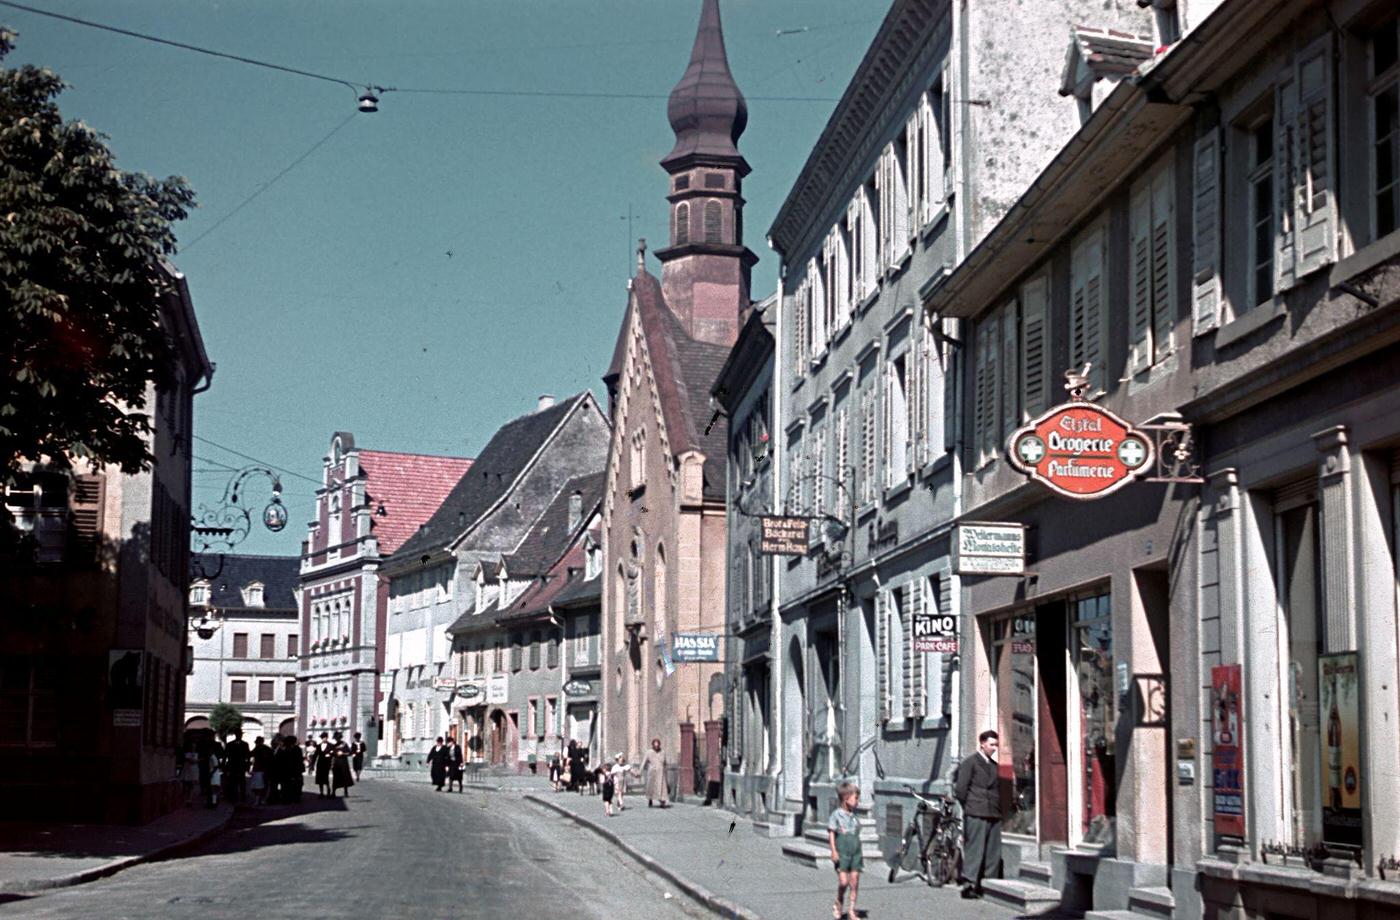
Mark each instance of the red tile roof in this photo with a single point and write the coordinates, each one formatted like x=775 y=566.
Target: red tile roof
x=410 y=487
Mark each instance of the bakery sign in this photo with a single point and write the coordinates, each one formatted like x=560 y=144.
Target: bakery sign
x=1080 y=450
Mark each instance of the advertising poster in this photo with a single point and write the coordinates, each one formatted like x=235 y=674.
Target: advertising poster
x=935 y=633
x=1338 y=695
x=1228 y=750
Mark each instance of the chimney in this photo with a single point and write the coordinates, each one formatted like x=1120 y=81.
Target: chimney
x=546 y=400
x=575 y=511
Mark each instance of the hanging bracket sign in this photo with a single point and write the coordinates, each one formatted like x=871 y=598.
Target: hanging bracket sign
x=989 y=548
x=1080 y=450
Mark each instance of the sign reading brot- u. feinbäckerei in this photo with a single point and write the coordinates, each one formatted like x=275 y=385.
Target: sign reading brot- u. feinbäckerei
x=1080 y=450
x=783 y=535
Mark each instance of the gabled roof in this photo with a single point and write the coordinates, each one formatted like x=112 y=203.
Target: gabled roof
x=685 y=369
x=410 y=487
x=494 y=471
x=277 y=574
x=1102 y=53
x=551 y=535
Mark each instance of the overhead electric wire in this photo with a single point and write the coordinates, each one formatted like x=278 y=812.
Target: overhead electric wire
x=270 y=466
x=355 y=87
x=270 y=182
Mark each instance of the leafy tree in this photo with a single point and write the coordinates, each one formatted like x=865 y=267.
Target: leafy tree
x=80 y=249
x=225 y=720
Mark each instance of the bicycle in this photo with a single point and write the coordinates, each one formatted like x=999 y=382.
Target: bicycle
x=940 y=850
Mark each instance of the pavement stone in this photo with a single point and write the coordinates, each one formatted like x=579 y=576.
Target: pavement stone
x=38 y=856
x=741 y=874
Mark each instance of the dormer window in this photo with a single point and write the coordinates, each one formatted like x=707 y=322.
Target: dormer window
x=253 y=594
x=199 y=594
x=593 y=560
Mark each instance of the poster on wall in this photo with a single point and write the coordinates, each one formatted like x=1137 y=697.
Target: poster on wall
x=935 y=633
x=1228 y=749
x=1339 y=697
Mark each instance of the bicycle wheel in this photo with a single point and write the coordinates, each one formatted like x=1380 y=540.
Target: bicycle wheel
x=949 y=863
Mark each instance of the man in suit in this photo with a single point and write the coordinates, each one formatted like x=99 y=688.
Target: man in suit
x=977 y=790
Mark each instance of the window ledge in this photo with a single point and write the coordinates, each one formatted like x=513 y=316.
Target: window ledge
x=898 y=489
x=1302 y=879
x=1365 y=259
x=843 y=331
x=935 y=723
x=896 y=725
x=1251 y=322
x=900 y=264
x=868 y=301
x=936 y=466
x=930 y=226
x=865 y=510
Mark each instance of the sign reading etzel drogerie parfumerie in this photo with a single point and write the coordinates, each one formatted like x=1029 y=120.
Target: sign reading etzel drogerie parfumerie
x=989 y=549
x=1081 y=450
x=783 y=535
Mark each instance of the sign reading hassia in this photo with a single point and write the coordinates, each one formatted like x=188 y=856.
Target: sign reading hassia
x=695 y=647
x=990 y=549
x=1080 y=450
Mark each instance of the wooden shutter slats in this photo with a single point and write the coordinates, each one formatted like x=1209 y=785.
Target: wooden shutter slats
x=1205 y=225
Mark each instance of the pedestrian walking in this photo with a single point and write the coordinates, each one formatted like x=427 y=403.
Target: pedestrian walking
x=236 y=763
x=189 y=771
x=210 y=773
x=341 y=777
x=454 y=764
x=619 y=771
x=358 y=750
x=556 y=770
x=323 y=765
x=262 y=770
x=609 y=789
x=654 y=769
x=437 y=764
x=843 y=833
x=290 y=769
x=584 y=779
x=976 y=788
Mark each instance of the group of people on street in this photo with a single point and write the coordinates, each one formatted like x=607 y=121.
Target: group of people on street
x=446 y=764
x=569 y=770
x=263 y=774
x=333 y=760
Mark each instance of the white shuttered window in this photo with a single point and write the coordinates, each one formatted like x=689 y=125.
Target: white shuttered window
x=1086 y=308
x=1151 y=246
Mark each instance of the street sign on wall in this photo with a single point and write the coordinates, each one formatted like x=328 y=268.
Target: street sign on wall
x=783 y=535
x=935 y=632
x=1080 y=450
x=989 y=549
x=692 y=647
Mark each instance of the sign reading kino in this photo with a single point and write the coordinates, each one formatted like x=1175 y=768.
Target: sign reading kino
x=1080 y=450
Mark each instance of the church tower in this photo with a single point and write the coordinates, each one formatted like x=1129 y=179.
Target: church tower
x=706 y=268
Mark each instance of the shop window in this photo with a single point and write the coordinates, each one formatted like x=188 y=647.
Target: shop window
x=1298 y=568
x=1093 y=660
x=28 y=703
x=1014 y=651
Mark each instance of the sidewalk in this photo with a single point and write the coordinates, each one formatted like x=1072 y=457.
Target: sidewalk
x=41 y=856
x=742 y=875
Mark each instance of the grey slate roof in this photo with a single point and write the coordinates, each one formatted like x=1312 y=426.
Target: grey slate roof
x=549 y=536
x=278 y=574
x=503 y=458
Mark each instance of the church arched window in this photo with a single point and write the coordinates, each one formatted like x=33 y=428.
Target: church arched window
x=682 y=224
x=714 y=225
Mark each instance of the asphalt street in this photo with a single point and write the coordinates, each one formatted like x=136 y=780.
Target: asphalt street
x=393 y=849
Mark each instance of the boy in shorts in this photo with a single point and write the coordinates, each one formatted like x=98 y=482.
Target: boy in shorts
x=843 y=833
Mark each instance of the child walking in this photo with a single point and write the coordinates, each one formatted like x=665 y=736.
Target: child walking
x=843 y=833
x=608 y=787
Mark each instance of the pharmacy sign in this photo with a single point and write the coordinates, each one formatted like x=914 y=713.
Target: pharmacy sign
x=1080 y=450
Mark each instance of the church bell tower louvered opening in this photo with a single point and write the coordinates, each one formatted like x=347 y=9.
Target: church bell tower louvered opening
x=706 y=267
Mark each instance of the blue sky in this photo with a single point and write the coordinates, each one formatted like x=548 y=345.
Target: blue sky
x=330 y=301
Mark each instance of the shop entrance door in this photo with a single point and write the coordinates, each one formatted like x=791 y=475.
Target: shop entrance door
x=1052 y=723
x=1091 y=641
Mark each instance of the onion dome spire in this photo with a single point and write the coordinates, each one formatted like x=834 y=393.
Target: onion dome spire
x=706 y=109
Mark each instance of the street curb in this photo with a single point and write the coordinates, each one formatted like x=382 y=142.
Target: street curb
x=30 y=886
x=713 y=901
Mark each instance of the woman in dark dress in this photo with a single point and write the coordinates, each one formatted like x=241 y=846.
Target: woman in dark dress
x=580 y=766
x=341 y=777
x=324 y=755
x=289 y=768
x=437 y=764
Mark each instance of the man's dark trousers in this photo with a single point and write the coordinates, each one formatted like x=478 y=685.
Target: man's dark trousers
x=981 y=849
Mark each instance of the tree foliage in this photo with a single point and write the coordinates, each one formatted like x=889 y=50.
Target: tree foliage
x=81 y=243
x=225 y=720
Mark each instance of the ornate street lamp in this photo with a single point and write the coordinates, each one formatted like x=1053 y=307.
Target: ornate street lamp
x=227 y=524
